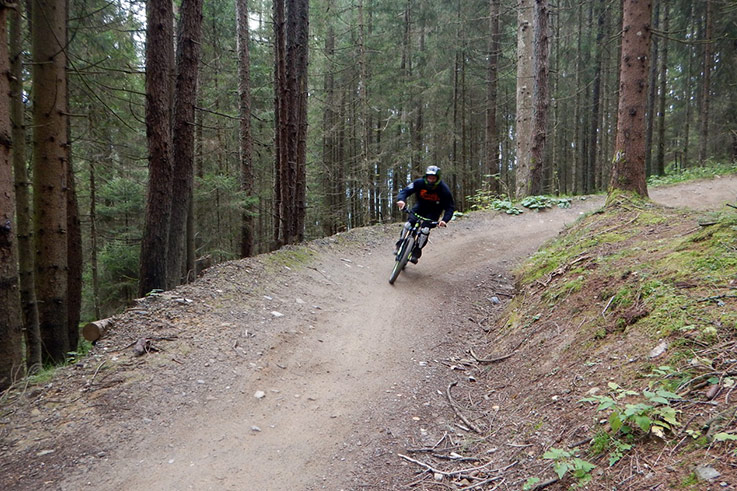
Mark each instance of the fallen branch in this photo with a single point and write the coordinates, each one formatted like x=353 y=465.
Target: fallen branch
x=545 y=484
x=716 y=297
x=603 y=312
x=458 y=411
x=326 y=277
x=454 y=473
x=489 y=360
x=92 y=380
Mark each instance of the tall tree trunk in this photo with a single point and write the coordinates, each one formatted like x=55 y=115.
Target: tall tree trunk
x=659 y=167
x=460 y=201
x=74 y=236
x=540 y=98
x=578 y=167
x=93 y=242
x=159 y=53
x=418 y=102
x=608 y=103
x=185 y=98
x=329 y=172
x=561 y=176
x=525 y=78
x=652 y=92
x=23 y=196
x=628 y=169
x=687 y=91
x=492 y=82
x=706 y=86
x=11 y=320
x=244 y=133
x=74 y=254
x=291 y=119
x=50 y=173
x=302 y=39
x=596 y=94
x=364 y=126
x=281 y=177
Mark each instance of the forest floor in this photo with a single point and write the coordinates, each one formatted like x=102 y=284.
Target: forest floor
x=304 y=369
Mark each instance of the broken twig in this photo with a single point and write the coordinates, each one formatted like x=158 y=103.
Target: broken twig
x=457 y=410
x=489 y=360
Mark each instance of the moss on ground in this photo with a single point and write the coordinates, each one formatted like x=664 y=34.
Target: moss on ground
x=628 y=277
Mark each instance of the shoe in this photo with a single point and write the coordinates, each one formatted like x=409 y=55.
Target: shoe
x=413 y=260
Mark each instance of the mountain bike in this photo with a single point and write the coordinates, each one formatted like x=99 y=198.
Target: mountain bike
x=408 y=241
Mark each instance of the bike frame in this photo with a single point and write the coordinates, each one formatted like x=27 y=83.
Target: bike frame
x=408 y=240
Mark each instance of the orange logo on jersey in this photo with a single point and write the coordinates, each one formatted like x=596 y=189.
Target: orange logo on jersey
x=429 y=195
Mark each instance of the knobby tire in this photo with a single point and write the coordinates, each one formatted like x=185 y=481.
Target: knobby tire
x=402 y=257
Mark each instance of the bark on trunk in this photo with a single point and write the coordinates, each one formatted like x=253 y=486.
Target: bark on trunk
x=280 y=122
x=50 y=174
x=628 y=170
x=541 y=98
x=652 y=93
x=185 y=98
x=596 y=96
x=159 y=53
x=659 y=167
x=492 y=133
x=11 y=337
x=706 y=87
x=24 y=225
x=331 y=212
x=244 y=134
x=302 y=40
x=74 y=259
x=523 y=134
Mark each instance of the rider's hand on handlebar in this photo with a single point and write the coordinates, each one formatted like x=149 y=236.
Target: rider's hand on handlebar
x=442 y=223
x=401 y=204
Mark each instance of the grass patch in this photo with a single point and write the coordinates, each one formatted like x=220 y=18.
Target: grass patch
x=674 y=176
x=290 y=257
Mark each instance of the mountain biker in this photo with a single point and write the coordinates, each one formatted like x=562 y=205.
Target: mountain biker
x=433 y=199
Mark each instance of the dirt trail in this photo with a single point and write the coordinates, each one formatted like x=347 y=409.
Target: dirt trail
x=330 y=372
x=341 y=358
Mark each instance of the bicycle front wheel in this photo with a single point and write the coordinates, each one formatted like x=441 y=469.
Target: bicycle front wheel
x=405 y=249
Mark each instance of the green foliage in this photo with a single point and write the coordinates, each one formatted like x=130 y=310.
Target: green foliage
x=46 y=373
x=486 y=200
x=219 y=205
x=624 y=297
x=650 y=412
x=530 y=483
x=713 y=169
x=289 y=257
x=566 y=462
x=542 y=202
x=691 y=480
x=725 y=437
x=567 y=288
x=603 y=442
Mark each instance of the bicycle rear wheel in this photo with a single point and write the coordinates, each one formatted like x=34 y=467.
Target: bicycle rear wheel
x=405 y=249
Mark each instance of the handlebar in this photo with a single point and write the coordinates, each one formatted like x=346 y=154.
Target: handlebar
x=423 y=219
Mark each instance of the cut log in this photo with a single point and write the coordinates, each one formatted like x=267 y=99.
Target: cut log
x=97 y=329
